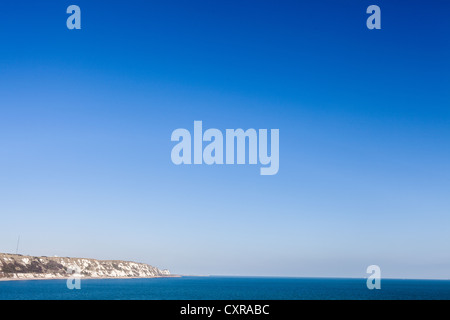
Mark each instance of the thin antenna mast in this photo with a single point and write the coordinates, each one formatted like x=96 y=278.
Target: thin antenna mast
x=17 y=248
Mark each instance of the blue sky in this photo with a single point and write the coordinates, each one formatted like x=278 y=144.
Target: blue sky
x=86 y=118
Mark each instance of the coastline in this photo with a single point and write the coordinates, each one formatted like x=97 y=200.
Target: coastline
x=23 y=267
x=87 y=278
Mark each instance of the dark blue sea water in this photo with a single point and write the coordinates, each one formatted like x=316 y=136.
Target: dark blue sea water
x=224 y=288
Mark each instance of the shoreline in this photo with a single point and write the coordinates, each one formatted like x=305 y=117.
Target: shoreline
x=87 y=278
x=220 y=276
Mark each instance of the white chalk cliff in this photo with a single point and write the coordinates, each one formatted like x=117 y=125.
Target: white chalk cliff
x=15 y=266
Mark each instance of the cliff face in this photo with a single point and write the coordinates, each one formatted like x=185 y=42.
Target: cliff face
x=14 y=266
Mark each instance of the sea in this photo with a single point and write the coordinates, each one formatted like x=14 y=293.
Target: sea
x=225 y=288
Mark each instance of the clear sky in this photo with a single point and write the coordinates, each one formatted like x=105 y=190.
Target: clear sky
x=364 y=117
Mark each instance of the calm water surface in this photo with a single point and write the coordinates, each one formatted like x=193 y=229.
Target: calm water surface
x=224 y=288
